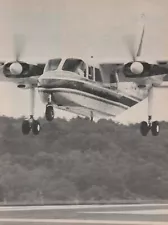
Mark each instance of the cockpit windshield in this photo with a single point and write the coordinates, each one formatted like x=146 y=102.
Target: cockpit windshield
x=76 y=66
x=52 y=64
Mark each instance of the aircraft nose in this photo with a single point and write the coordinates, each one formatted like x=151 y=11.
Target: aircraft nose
x=47 y=78
x=53 y=78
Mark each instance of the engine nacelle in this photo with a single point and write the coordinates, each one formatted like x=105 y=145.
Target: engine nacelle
x=16 y=69
x=20 y=69
x=137 y=69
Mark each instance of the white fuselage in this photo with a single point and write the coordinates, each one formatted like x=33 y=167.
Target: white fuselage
x=76 y=94
x=81 y=90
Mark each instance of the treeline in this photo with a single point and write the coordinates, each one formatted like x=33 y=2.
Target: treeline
x=81 y=160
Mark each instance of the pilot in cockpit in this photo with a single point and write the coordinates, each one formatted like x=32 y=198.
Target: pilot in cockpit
x=81 y=69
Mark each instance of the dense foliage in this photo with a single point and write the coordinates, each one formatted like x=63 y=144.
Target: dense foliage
x=81 y=160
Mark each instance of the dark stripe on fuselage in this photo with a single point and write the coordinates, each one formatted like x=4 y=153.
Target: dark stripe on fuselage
x=72 y=91
x=84 y=87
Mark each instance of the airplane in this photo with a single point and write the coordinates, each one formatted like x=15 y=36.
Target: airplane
x=89 y=87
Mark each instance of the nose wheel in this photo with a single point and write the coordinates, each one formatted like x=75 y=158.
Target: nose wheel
x=49 y=113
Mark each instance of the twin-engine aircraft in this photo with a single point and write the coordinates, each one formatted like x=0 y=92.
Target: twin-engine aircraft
x=88 y=87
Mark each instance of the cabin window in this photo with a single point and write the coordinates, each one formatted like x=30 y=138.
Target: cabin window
x=90 y=75
x=98 y=77
x=76 y=66
x=113 y=78
x=52 y=65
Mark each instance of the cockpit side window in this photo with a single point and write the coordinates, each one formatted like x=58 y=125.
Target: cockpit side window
x=98 y=77
x=90 y=75
x=52 y=65
x=113 y=78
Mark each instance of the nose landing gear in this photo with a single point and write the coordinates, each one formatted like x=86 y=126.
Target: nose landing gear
x=49 y=113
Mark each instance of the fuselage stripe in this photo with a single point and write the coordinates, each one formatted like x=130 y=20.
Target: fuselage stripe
x=81 y=87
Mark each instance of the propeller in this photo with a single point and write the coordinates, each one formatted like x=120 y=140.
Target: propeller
x=130 y=43
x=136 y=67
x=18 y=42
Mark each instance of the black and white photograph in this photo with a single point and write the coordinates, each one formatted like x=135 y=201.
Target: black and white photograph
x=84 y=112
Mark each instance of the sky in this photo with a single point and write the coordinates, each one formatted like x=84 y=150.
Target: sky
x=54 y=28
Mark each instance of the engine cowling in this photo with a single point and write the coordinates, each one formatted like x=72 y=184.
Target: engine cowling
x=16 y=69
x=137 y=69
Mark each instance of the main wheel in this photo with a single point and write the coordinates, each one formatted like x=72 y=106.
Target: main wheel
x=49 y=113
x=36 y=127
x=144 y=128
x=26 y=127
x=155 y=128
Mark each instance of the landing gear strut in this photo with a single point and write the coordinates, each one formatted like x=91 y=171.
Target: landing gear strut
x=31 y=124
x=145 y=127
x=91 y=116
x=49 y=113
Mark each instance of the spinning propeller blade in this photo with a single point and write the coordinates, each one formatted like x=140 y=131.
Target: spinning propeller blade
x=130 y=41
x=139 y=49
x=130 y=44
x=19 y=43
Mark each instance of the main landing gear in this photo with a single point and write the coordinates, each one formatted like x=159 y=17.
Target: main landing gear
x=49 y=113
x=31 y=124
x=145 y=127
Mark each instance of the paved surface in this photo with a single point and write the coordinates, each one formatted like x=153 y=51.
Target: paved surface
x=111 y=214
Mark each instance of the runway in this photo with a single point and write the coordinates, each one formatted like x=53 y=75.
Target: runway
x=150 y=214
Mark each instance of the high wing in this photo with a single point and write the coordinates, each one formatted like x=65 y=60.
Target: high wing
x=149 y=69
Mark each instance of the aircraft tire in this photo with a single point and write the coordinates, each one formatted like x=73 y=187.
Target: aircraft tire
x=49 y=114
x=155 y=128
x=26 y=127
x=36 y=127
x=144 y=128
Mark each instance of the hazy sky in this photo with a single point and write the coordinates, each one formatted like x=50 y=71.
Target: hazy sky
x=80 y=27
